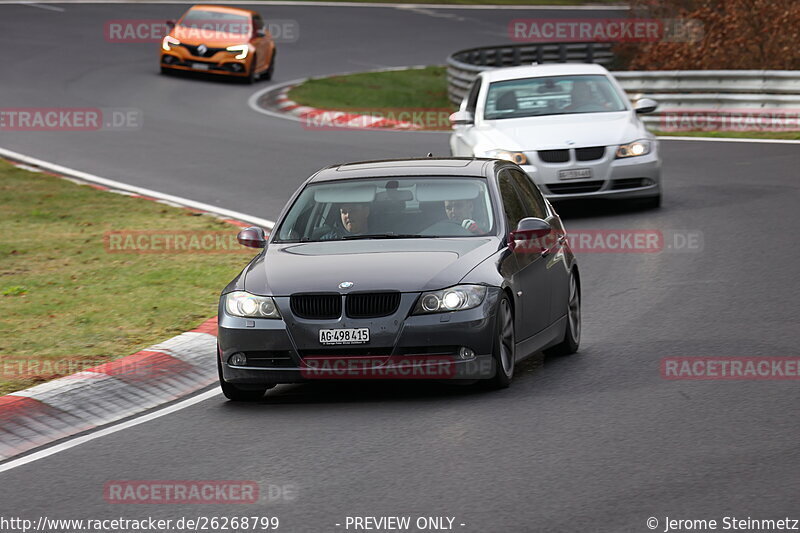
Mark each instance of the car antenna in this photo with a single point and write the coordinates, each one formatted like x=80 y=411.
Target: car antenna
x=430 y=154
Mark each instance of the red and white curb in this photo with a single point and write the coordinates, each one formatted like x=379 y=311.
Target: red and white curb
x=327 y=118
x=118 y=389
x=123 y=387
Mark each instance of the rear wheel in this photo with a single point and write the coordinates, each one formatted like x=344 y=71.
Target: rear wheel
x=503 y=352
x=234 y=393
x=572 y=335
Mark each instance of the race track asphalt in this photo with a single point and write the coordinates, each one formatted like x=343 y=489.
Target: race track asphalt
x=598 y=441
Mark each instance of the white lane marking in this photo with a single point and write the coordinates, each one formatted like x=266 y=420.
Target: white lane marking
x=84 y=176
x=617 y=7
x=77 y=441
x=43 y=6
x=729 y=140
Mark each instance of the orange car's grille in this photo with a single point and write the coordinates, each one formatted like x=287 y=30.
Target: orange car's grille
x=207 y=53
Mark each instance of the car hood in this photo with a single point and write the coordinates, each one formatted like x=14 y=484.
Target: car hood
x=212 y=39
x=561 y=131
x=406 y=265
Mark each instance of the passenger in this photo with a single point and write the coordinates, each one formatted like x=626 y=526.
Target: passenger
x=461 y=212
x=354 y=221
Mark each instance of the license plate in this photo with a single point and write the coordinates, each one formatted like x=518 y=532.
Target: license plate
x=199 y=66
x=575 y=174
x=344 y=336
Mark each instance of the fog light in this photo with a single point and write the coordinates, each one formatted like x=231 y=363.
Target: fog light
x=237 y=359
x=466 y=353
x=236 y=67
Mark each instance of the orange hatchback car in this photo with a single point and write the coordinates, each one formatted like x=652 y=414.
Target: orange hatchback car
x=219 y=40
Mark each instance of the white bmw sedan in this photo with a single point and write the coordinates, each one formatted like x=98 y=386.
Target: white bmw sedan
x=570 y=126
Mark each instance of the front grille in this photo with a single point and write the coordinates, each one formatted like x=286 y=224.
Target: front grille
x=554 y=156
x=210 y=52
x=574 y=188
x=631 y=183
x=316 y=306
x=590 y=153
x=371 y=305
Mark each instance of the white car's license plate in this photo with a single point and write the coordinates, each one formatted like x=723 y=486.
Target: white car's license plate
x=575 y=174
x=200 y=66
x=344 y=336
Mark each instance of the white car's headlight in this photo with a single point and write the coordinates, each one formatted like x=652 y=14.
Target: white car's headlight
x=248 y=305
x=634 y=149
x=242 y=50
x=455 y=298
x=517 y=157
x=169 y=41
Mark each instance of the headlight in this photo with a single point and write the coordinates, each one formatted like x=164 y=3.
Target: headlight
x=634 y=149
x=243 y=49
x=455 y=298
x=169 y=40
x=517 y=157
x=248 y=305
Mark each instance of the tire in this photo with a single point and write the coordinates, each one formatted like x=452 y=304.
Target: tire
x=267 y=75
x=653 y=202
x=252 y=76
x=234 y=393
x=503 y=351
x=572 y=334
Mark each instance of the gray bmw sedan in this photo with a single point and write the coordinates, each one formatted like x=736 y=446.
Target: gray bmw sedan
x=430 y=268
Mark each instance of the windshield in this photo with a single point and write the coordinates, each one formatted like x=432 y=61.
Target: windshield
x=386 y=208
x=552 y=95
x=216 y=21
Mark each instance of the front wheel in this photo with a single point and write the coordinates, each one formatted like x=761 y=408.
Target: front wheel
x=504 y=351
x=572 y=335
x=234 y=393
x=252 y=76
x=267 y=75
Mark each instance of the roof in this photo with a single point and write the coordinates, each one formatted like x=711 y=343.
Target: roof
x=535 y=71
x=426 y=166
x=223 y=9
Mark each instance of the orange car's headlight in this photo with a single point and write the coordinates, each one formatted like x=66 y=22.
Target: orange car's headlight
x=169 y=41
x=242 y=50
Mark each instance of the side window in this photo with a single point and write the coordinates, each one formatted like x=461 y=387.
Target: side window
x=472 y=99
x=512 y=205
x=530 y=194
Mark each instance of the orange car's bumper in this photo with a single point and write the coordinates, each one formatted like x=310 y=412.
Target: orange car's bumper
x=221 y=62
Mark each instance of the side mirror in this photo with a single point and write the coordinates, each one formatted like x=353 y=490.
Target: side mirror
x=645 y=105
x=462 y=117
x=260 y=33
x=170 y=24
x=527 y=229
x=252 y=237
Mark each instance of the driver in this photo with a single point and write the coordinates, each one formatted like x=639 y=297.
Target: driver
x=354 y=221
x=581 y=96
x=461 y=212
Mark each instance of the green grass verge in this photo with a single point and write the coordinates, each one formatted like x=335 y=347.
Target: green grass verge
x=426 y=89
x=66 y=301
x=385 y=93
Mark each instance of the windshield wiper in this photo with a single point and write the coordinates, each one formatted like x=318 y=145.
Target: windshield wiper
x=388 y=235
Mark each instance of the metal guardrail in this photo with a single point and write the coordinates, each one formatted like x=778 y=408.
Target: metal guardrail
x=675 y=90
x=463 y=66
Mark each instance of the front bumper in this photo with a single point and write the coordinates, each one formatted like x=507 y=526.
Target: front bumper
x=635 y=177
x=179 y=58
x=401 y=346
